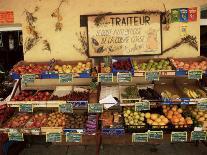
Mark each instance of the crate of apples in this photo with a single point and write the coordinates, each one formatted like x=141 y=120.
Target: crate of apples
x=38 y=120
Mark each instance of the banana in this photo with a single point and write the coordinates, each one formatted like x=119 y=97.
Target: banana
x=193 y=94
x=201 y=93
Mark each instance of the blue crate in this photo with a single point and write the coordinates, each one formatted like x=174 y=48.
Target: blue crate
x=15 y=76
x=113 y=131
x=181 y=72
x=44 y=75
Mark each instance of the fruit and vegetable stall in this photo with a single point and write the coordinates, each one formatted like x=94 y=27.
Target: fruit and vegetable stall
x=113 y=101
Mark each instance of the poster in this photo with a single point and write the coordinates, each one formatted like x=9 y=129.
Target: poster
x=183 y=15
x=124 y=34
x=192 y=14
x=175 y=15
x=6 y=17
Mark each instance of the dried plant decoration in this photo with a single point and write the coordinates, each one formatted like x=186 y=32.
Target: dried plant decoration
x=83 y=43
x=56 y=14
x=46 y=46
x=29 y=43
x=166 y=16
x=100 y=18
x=190 y=40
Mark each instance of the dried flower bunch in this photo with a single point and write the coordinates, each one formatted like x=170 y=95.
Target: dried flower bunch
x=46 y=46
x=82 y=38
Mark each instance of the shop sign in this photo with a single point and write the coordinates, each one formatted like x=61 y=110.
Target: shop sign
x=95 y=108
x=105 y=77
x=25 y=107
x=141 y=106
x=124 y=77
x=15 y=136
x=6 y=17
x=124 y=34
x=178 y=136
x=66 y=108
x=53 y=137
x=65 y=78
x=152 y=76
x=195 y=74
x=139 y=137
x=73 y=137
x=198 y=135
x=155 y=134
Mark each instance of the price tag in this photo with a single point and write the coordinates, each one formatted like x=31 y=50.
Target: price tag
x=66 y=108
x=28 y=78
x=73 y=137
x=195 y=74
x=178 y=136
x=155 y=134
x=105 y=77
x=139 y=137
x=95 y=108
x=124 y=77
x=140 y=106
x=15 y=136
x=65 y=78
x=53 y=137
x=198 y=135
x=152 y=76
x=26 y=108
x=202 y=106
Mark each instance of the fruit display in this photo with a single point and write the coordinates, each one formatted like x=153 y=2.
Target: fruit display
x=130 y=92
x=76 y=121
x=124 y=65
x=5 y=112
x=190 y=65
x=175 y=115
x=111 y=120
x=37 y=120
x=30 y=69
x=152 y=65
x=168 y=94
x=196 y=93
x=79 y=68
x=149 y=94
x=109 y=90
x=155 y=119
x=199 y=115
x=105 y=68
x=57 y=119
x=17 y=121
x=91 y=124
x=73 y=96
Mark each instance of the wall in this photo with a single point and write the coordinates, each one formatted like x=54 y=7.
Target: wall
x=62 y=42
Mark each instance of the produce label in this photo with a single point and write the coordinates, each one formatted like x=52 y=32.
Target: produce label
x=15 y=136
x=105 y=77
x=175 y=15
x=73 y=137
x=66 y=108
x=140 y=106
x=95 y=108
x=53 y=137
x=192 y=14
x=25 y=108
x=178 y=136
x=202 y=106
x=65 y=78
x=183 y=15
x=185 y=101
x=139 y=137
x=124 y=77
x=28 y=78
x=152 y=76
x=195 y=74
x=155 y=134
x=198 y=135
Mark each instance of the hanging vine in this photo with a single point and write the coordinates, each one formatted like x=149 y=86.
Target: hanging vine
x=83 y=43
x=56 y=14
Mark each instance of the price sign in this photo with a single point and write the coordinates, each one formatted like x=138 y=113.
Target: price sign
x=152 y=76
x=25 y=108
x=198 y=135
x=53 y=137
x=15 y=136
x=73 y=137
x=178 y=136
x=66 y=108
x=95 y=108
x=202 y=106
x=140 y=106
x=195 y=74
x=105 y=77
x=28 y=78
x=124 y=77
x=139 y=137
x=155 y=134
x=65 y=78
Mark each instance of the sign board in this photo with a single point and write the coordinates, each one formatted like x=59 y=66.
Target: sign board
x=95 y=108
x=65 y=78
x=6 y=17
x=195 y=74
x=73 y=137
x=66 y=108
x=139 y=137
x=124 y=34
x=25 y=108
x=198 y=135
x=28 y=78
x=124 y=77
x=155 y=134
x=178 y=136
x=202 y=105
x=152 y=76
x=105 y=77
x=140 y=106
x=53 y=137
x=15 y=136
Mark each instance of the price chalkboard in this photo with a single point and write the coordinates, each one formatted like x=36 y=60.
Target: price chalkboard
x=198 y=135
x=195 y=74
x=124 y=77
x=26 y=108
x=155 y=134
x=15 y=136
x=202 y=106
x=28 y=78
x=95 y=108
x=65 y=78
x=66 y=108
x=105 y=77
x=152 y=76
x=178 y=136
x=141 y=106
x=139 y=137
x=53 y=137
x=73 y=137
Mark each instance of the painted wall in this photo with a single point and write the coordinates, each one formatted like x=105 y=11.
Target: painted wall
x=62 y=42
